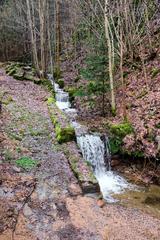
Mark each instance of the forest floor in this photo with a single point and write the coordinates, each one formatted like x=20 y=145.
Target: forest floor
x=45 y=202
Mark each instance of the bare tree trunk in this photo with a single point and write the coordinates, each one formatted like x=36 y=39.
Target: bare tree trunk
x=122 y=80
x=33 y=39
x=49 y=40
x=110 y=57
x=58 y=37
x=42 y=18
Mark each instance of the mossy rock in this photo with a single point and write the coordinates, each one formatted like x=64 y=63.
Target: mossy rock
x=64 y=131
x=66 y=134
x=19 y=74
x=60 y=83
x=121 y=129
x=117 y=134
x=11 y=71
x=29 y=76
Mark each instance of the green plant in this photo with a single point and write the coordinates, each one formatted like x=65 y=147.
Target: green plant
x=115 y=144
x=118 y=132
x=60 y=83
x=155 y=72
x=50 y=100
x=122 y=129
x=64 y=134
x=96 y=74
x=26 y=163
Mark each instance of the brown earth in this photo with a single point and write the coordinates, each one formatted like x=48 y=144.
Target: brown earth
x=46 y=203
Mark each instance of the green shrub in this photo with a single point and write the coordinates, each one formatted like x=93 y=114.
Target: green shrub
x=118 y=132
x=115 y=145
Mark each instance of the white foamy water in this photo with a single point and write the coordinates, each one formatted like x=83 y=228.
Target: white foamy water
x=110 y=183
x=62 y=105
x=95 y=149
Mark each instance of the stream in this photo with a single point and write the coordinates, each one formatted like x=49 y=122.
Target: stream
x=95 y=150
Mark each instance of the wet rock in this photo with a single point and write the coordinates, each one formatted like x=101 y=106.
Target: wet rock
x=90 y=188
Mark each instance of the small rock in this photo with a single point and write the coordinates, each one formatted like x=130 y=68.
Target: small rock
x=75 y=189
x=16 y=169
x=27 y=211
x=101 y=203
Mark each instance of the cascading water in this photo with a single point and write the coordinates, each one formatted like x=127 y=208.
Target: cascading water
x=62 y=100
x=95 y=149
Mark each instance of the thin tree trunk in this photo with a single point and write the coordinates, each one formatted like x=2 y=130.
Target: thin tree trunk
x=122 y=81
x=58 y=37
x=110 y=57
x=42 y=18
x=33 y=40
x=49 y=40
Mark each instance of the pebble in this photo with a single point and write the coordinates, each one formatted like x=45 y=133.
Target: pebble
x=101 y=203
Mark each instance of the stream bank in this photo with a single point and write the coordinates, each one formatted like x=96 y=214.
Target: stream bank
x=46 y=202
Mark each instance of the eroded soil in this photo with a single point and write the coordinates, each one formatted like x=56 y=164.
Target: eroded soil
x=46 y=202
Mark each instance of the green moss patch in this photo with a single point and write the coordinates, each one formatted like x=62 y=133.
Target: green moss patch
x=122 y=129
x=64 y=134
x=64 y=131
x=117 y=134
x=26 y=163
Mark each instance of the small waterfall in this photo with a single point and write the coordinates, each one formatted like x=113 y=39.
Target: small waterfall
x=62 y=100
x=95 y=149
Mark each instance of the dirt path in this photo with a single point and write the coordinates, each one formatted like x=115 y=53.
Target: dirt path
x=45 y=203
